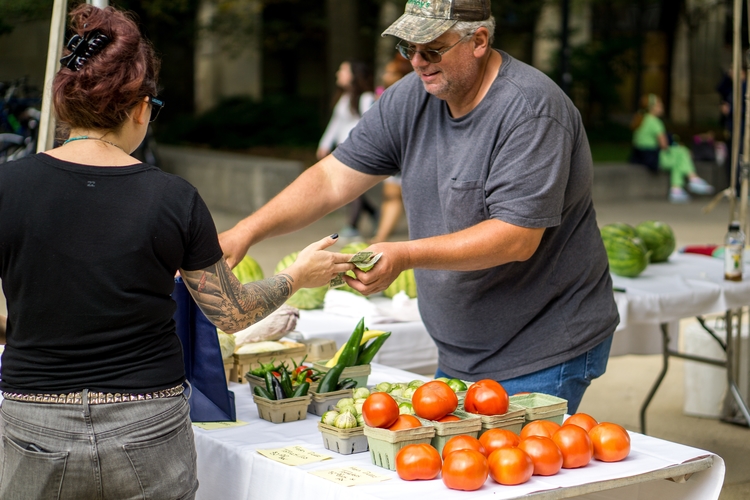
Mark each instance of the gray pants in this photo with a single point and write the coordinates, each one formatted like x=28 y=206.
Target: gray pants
x=134 y=450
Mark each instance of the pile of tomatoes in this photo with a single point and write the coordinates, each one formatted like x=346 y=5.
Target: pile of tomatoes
x=543 y=448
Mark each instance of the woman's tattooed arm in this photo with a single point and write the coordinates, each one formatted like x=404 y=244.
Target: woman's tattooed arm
x=230 y=305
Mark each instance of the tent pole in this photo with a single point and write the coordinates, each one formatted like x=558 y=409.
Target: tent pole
x=54 y=50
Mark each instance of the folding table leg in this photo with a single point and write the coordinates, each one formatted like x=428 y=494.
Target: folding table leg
x=662 y=374
x=735 y=408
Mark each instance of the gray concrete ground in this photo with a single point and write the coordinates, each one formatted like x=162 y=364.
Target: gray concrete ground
x=618 y=394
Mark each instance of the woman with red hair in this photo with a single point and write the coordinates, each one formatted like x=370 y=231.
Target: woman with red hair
x=90 y=241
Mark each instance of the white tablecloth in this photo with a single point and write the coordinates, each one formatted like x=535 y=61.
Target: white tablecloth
x=229 y=467
x=409 y=347
x=685 y=286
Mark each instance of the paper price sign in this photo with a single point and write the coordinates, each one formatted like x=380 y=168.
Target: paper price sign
x=211 y=426
x=350 y=476
x=294 y=455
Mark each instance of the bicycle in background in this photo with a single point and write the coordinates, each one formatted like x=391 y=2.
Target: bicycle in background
x=19 y=119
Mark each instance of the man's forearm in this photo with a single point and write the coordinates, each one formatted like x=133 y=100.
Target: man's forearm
x=488 y=244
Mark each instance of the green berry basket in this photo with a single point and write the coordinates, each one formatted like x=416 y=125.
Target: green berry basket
x=321 y=402
x=359 y=373
x=282 y=411
x=539 y=406
x=343 y=441
x=511 y=420
x=469 y=425
x=384 y=444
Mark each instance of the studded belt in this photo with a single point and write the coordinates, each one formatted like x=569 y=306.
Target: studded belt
x=94 y=398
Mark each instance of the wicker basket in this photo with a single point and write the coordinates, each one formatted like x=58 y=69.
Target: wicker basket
x=245 y=362
x=321 y=402
x=285 y=410
x=343 y=441
x=469 y=425
x=359 y=373
x=538 y=406
x=384 y=444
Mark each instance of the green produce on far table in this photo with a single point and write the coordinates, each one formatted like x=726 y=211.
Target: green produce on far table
x=658 y=237
x=248 y=270
x=627 y=256
x=404 y=282
x=619 y=229
x=304 y=298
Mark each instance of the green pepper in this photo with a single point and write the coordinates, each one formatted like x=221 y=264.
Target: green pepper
x=369 y=352
x=286 y=382
x=262 y=392
x=301 y=390
x=277 y=389
x=347 y=383
x=351 y=350
x=269 y=384
x=330 y=380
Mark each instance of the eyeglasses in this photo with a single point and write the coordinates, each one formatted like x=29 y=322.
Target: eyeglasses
x=156 y=105
x=431 y=56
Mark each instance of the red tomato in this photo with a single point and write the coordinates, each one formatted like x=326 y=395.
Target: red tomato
x=611 y=442
x=494 y=439
x=546 y=428
x=465 y=470
x=449 y=418
x=575 y=445
x=405 y=422
x=418 y=461
x=510 y=466
x=434 y=400
x=462 y=442
x=380 y=410
x=486 y=397
x=583 y=420
x=545 y=454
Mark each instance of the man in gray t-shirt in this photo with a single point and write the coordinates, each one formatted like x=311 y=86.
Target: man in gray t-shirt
x=512 y=276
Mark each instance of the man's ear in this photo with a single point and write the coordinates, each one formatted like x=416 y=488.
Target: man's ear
x=481 y=41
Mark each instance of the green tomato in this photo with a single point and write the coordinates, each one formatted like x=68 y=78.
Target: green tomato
x=405 y=408
x=383 y=387
x=443 y=379
x=456 y=385
x=415 y=383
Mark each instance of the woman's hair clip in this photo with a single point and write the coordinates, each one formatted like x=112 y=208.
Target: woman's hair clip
x=82 y=48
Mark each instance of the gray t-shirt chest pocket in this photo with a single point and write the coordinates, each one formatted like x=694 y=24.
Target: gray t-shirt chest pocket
x=464 y=204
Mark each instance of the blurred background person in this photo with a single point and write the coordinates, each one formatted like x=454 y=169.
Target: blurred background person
x=355 y=96
x=652 y=148
x=725 y=88
x=392 y=205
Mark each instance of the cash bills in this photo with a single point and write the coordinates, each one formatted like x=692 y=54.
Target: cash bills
x=363 y=260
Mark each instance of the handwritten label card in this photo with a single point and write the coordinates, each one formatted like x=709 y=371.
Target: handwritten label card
x=294 y=455
x=350 y=476
x=211 y=426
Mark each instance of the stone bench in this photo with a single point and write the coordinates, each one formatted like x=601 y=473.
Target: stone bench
x=230 y=182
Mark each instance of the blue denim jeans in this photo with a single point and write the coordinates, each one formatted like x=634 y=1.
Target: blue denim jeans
x=133 y=450
x=567 y=380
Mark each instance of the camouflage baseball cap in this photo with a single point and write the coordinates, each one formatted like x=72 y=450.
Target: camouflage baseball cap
x=425 y=20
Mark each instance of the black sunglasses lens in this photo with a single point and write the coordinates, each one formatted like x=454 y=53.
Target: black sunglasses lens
x=156 y=105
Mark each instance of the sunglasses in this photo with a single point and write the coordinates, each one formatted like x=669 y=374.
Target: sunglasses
x=156 y=105
x=431 y=56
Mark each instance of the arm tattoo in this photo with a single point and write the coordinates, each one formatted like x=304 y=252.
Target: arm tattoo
x=230 y=305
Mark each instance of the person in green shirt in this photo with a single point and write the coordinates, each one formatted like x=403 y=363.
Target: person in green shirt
x=652 y=148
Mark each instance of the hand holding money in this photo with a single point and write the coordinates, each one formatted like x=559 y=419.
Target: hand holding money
x=363 y=260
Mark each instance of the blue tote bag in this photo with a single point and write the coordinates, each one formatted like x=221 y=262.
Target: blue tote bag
x=210 y=400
